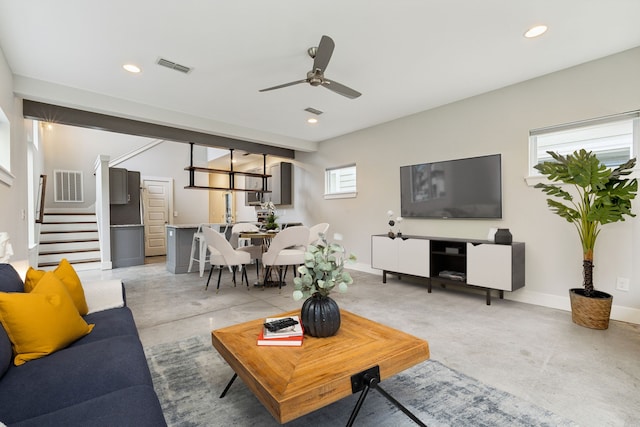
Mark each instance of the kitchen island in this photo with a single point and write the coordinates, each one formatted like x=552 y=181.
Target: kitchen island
x=179 y=241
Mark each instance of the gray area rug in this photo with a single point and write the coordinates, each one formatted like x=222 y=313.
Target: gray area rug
x=189 y=376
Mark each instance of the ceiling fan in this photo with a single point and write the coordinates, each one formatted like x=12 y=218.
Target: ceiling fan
x=321 y=56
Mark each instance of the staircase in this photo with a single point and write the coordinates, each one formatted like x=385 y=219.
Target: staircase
x=72 y=235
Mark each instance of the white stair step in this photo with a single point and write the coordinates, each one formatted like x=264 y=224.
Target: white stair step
x=71 y=256
x=69 y=218
x=68 y=226
x=70 y=234
x=84 y=266
x=69 y=246
x=65 y=237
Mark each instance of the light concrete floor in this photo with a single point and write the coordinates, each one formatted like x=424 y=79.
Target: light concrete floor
x=536 y=353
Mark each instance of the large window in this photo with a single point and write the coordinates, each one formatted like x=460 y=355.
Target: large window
x=340 y=182
x=613 y=139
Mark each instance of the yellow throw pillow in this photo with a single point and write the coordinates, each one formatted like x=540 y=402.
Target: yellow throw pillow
x=42 y=321
x=68 y=276
x=32 y=278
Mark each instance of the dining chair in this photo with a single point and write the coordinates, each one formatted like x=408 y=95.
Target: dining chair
x=239 y=228
x=199 y=248
x=286 y=248
x=315 y=231
x=223 y=255
x=237 y=243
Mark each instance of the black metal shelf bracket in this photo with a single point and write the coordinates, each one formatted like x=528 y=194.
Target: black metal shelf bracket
x=230 y=172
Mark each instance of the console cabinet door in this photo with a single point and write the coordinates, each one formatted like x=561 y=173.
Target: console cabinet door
x=413 y=257
x=489 y=266
x=384 y=253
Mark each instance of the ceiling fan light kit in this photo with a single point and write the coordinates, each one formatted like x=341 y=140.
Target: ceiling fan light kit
x=321 y=56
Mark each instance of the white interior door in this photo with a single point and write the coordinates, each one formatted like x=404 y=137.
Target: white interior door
x=157 y=204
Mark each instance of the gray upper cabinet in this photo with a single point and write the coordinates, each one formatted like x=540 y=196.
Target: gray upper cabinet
x=118 y=186
x=129 y=212
x=279 y=185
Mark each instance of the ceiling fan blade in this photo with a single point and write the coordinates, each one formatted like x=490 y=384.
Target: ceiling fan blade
x=284 y=85
x=340 y=89
x=323 y=53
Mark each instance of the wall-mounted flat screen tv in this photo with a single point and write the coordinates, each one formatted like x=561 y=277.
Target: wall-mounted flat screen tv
x=462 y=188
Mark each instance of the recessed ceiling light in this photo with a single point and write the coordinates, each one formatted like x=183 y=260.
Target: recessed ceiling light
x=131 y=68
x=312 y=120
x=536 y=31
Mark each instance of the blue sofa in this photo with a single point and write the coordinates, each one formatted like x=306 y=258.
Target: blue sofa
x=102 y=379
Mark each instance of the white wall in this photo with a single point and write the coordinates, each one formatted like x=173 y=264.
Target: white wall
x=74 y=148
x=13 y=199
x=495 y=122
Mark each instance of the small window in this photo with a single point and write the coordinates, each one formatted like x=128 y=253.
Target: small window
x=613 y=139
x=340 y=182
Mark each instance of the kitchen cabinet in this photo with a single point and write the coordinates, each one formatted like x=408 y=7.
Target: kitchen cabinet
x=118 y=186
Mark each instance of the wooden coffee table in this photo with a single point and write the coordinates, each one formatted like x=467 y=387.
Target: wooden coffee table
x=294 y=381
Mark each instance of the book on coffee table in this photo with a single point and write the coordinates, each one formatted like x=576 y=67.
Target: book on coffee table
x=292 y=331
x=282 y=341
x=291 y=336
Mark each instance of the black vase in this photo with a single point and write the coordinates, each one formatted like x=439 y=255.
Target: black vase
x=320 y=316
x=503 y=236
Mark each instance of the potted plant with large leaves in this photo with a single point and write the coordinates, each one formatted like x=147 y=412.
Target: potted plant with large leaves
x=323 y=270
x=600 y=196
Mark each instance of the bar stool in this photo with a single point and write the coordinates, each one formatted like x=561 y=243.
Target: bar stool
x=199 y=248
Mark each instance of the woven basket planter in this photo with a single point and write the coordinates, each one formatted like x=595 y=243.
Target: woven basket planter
x=591 y=312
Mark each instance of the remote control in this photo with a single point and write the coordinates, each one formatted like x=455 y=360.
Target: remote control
x=276 y=325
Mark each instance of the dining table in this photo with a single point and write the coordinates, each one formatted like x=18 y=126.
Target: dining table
x=265 y=238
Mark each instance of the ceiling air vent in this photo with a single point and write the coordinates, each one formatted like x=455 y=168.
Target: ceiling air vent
x=173 y=65
x=313 y=111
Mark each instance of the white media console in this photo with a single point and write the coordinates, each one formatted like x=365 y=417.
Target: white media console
x=477 y=263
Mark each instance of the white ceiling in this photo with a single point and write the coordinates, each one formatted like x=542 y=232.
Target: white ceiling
x=405 y=56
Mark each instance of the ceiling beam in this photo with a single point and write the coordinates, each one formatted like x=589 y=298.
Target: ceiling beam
x=86 y=119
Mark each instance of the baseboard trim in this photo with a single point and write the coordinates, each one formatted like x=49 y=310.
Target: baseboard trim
x=365 y=268
x=618 y=312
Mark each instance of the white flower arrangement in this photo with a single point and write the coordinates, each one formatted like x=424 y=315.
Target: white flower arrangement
x=269 y=206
